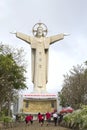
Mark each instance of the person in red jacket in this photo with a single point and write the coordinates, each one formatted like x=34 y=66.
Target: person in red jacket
x=48 y=117
x=41 y=118
x=31 y=119
x=28 y=119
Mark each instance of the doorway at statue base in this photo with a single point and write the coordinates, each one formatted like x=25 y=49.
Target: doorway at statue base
x=35 y=103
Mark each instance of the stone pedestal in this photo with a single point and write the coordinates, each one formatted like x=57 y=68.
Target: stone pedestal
x=35 y=103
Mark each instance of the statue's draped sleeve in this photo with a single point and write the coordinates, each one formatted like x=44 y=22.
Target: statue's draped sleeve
x=56 y=38
x=29 y=40
x=23 y=37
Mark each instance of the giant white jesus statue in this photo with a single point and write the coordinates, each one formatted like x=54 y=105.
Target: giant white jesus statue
x=39 y=51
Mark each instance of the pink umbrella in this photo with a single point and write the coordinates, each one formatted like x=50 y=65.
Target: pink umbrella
x=66 y=110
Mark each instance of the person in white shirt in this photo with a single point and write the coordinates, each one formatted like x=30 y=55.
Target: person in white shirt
x=55 y=117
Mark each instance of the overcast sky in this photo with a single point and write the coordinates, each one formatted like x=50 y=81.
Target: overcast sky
x=60 y=16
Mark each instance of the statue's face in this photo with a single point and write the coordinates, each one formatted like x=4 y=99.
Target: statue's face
x=39 y=32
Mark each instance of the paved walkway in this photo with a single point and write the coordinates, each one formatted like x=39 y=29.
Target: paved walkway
x=36 y=126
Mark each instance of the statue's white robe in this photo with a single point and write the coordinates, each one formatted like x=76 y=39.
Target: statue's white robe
x=39 y=57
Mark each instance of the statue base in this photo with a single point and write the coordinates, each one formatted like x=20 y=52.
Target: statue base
x=35 y=103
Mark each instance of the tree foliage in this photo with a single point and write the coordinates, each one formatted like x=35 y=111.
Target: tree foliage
x=74 y=89
x=12 y=72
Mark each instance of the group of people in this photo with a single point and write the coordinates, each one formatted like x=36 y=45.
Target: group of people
x=41 y=118
x=57 y=118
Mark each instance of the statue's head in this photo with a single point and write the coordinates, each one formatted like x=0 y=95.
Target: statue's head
x=39 y=30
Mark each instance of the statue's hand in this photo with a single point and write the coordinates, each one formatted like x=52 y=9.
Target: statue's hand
x=14 y=32
x=66 y=34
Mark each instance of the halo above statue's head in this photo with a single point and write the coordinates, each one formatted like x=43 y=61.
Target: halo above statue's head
x=39 y=26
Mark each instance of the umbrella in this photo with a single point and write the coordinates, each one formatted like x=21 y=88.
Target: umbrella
x=66 y=110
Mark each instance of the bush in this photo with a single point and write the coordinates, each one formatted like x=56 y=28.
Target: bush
x=7 y=119
x=77 y=119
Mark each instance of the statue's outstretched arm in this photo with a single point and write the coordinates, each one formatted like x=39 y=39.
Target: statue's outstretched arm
x=58 y=37
x=13 y=32
x=66 y=34
x=22 y=36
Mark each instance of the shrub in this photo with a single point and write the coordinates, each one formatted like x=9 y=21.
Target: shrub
x=77 y=119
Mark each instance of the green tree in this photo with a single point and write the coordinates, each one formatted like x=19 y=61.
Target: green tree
x=75 y=87
x=12 y=75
